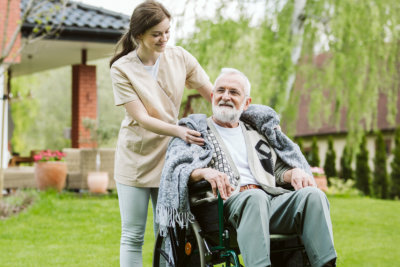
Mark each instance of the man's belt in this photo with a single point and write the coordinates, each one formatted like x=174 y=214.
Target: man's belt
x=249 y=186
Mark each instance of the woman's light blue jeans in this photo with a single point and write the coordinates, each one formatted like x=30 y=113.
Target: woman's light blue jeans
x=133 y=204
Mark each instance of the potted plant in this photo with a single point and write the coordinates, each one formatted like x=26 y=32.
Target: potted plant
x=320 y=178
x=50 y=169
x=97 y=180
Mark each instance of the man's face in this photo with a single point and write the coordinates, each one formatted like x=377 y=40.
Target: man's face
x=229 y=99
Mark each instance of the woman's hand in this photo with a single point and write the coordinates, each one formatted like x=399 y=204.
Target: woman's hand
x=190 y=136
x=139 y=113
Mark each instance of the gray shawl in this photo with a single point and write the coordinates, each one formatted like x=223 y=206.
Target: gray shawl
x=182 y=158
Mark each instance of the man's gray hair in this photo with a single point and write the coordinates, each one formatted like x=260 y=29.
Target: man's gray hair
x=224 y=71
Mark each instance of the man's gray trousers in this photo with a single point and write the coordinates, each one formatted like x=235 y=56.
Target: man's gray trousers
x=255 y=214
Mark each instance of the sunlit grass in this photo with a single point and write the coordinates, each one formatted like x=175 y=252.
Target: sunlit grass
x=366 y=231
x=82 y=230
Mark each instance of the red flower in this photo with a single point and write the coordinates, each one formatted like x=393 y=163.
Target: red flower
x=37 y=157
x=48 y=155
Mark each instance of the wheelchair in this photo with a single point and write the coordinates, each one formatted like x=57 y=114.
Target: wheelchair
x=208 y=241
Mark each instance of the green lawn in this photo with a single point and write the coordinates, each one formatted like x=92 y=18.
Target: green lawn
x=73 y=230
x=366 y=231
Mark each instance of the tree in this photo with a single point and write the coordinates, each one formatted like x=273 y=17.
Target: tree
x=363 y=172
x=11 y=45
x=345 y=163
x=380 y=181
x=330 y=160
x=314 y=156
x=359 y=59
x=395 y=175
x=24 y=111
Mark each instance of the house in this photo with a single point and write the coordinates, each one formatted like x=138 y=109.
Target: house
x=306 y=131
x=85 y=33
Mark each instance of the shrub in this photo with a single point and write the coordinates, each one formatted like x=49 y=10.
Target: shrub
x=363 y=172
x=16 y=203
x=345 y=163
x=342 y=188
x=380 y=181
x=330 y=160
x=395 y=175
x=299 y=142
x=314 y=157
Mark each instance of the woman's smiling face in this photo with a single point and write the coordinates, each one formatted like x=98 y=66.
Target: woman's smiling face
x=156 y=38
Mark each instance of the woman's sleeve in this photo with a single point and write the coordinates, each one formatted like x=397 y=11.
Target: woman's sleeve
x=122 y=87
x=196 y=77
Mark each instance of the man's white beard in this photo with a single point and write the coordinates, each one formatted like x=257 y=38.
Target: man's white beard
x=227 y=114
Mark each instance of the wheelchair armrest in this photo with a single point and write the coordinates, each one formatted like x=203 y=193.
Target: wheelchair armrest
x=199 y=187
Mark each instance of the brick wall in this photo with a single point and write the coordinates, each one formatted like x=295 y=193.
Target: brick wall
x=84 y=103
x=14 y=17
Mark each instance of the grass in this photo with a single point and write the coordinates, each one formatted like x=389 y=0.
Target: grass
x=63 y=230
x=366 y=231
x=82 y=230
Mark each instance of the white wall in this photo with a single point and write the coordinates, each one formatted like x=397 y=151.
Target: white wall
x=339 y=142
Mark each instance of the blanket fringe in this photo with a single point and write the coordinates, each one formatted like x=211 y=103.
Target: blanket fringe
x=170 y=217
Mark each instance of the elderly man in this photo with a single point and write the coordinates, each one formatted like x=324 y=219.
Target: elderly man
x=245 y=164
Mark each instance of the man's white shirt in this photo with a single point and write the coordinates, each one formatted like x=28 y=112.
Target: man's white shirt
x=235 y=143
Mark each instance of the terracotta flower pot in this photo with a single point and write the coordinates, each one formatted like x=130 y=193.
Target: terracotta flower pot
x=50 y=174
x=97 y=182
x=322 y=182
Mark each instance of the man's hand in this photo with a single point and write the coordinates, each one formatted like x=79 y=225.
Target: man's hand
x=298 y=178
x=217 y=179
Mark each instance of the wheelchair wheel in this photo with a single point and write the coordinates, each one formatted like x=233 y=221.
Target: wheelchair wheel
x=186 y=249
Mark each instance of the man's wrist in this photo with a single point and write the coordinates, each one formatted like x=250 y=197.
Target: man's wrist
x=196 y=175
x=287 y=176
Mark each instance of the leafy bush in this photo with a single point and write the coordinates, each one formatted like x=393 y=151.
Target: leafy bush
x=314 y=157
x=363 y=172
x=380 y=181
x=339 y=187
x=16 y=203
x=345 y=163
x=330 y=160
x=395 y=175
x=299 y=142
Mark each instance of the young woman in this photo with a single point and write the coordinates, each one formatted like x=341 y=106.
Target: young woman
x=148 y=79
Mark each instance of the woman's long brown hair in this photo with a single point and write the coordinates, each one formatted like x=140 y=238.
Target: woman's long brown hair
x=145 y=16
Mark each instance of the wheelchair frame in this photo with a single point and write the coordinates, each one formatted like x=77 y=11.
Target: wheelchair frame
x=183 y=249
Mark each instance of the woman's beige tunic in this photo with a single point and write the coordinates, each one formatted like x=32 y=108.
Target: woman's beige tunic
x=139 y=156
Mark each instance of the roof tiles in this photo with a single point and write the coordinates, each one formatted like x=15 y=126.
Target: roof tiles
x=82 y=16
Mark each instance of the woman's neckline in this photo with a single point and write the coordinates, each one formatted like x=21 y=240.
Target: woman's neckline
x=146 y=64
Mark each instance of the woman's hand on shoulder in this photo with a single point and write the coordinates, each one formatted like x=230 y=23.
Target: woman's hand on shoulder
x=139 y=113
x=190 y=136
